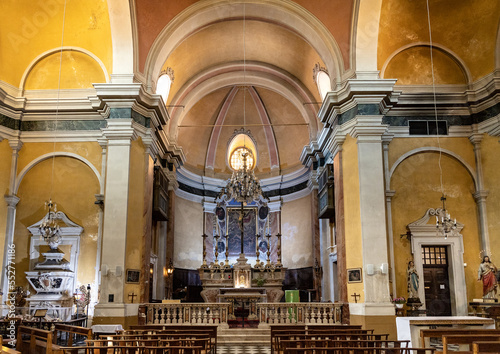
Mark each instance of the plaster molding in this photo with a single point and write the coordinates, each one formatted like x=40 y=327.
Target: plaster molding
x=282 y=13
x=47 y=53
x=11 y=200
x=424 y=234
x=257 y=74
x=480 y=196
x=452 y=154
x=454 y=56
x=41 y=158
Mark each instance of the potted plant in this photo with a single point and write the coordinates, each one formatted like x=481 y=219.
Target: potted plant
x=399 y=301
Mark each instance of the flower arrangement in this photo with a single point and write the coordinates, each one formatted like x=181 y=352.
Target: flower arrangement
x=399 y=300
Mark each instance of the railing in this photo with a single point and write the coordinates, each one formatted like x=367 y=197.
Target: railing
x=217 y=313
x=184 y=313
x=299 y=313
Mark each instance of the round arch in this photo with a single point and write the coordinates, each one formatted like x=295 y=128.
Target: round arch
x=47 y=156
x=57 y=50
x=230 y=75
x=421 y=150
x=283 y=13
x=461 y=64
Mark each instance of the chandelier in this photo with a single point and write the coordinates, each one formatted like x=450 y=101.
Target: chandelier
x=444 y=225
x=49 y=227
x=243 y=186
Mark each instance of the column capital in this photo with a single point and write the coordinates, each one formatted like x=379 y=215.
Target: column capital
x=476 y=138
x=480 y=196
x=11 y=200
x=150 y=144
x=368 y=129
x=15 y=145
x=119 y=131
x=389 y=194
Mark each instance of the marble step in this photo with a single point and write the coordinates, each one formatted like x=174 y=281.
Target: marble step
x=245 y=335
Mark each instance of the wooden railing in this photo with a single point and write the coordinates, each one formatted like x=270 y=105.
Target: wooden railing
x=217 y=313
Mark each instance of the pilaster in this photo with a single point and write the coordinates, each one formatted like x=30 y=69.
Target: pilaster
x=119 y=134
x=12 y=201
x=368 y=131
x=481 y=194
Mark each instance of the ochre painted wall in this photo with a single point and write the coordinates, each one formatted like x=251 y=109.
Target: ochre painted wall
x=417 y=184
x=74 y=186
x=353 y=241
x=30 y=28
x=490 y=152
x=296 y=241
x=469 y=31
x=135 y=222
x=5 y=163
x=413 y=67
x=78 y=71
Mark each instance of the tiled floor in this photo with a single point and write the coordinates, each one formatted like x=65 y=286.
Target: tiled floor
x=243 y=349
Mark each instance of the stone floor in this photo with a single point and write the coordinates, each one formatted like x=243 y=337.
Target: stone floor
x=243 y=349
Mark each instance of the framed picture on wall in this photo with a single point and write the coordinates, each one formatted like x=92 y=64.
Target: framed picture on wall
x=354 y=275
x=133 y=276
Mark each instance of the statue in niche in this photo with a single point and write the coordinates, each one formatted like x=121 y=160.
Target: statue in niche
x=413 y=282
x=486 y=273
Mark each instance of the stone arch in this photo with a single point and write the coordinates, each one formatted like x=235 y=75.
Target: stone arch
x=257 y=75
x=47 y=156
x=44 y=55
x=204 y=13
x=448 y=52
x=449 y=153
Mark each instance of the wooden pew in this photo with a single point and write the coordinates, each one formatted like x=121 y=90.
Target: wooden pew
x=210 y=330
x=37 y=339
x=467 y=340
x=70 y=332
x=479 y=347
x=364 y=350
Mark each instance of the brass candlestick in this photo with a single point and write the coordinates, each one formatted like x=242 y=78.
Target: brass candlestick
x=227 y=250
x=204 y=265
x=257 y=253
x=278 y=262
x=268 y=249
x=216 y=249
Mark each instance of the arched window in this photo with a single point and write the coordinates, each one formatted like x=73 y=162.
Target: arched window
x=164 y=82
x=322 y=80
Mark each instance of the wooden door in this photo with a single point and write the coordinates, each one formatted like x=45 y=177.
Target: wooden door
x=436 y=281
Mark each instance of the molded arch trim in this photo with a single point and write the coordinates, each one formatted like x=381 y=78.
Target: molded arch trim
x=58 y=50
x=282 y=13
x=452 y=154
x=454 y=56
x=39 y=159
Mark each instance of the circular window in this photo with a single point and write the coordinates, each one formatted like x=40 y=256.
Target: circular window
x=237 y=158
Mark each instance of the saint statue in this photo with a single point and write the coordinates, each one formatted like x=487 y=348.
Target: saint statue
x=413 y=281
x=487 y=272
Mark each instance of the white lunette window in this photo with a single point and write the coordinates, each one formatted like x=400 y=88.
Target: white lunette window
x=323 y=82
x=163 y=86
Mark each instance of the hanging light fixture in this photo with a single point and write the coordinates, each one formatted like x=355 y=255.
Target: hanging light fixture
x=49 y=227
x=444 y=225
x=243 y=186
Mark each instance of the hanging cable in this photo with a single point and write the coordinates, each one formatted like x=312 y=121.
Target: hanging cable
x=434 y=98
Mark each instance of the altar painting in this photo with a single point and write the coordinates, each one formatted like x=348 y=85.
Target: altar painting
x=234 y=233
